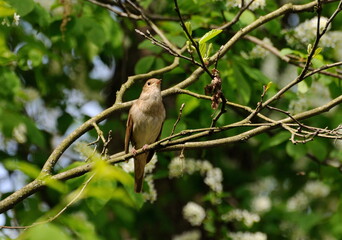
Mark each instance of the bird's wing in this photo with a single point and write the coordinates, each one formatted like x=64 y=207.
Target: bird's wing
x=151 y=153
x=129 y=129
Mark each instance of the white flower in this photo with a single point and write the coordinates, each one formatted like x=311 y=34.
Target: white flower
x=152 y=194
x=255 y=5
x=306 y=33
x=248 y=236
x=151 y=165
x=264 y=186
x=191 y=166
x=176 y=167
x=316 y=189
x=298 y=202
x=241 y=215
x=214 y=179
x=193 y=213
x=258 y=51
x=190 y=235
x=213 y=176
x=16 y=19
x=261 y=204
x=331 y=39
x=128 y=166
x=204 y=166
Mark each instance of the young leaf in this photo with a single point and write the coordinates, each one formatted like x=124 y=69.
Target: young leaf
x=203 y=48
x=309 y=49
x=209 y=35
x=302 y=87
x=189 y=28
x=209 y=50
x=317 y=51
x=268 y=86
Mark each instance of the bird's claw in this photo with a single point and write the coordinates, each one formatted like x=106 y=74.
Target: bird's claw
x=134 y=152
x=145 y=147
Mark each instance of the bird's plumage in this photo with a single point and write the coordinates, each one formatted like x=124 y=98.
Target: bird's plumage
x=144 y=125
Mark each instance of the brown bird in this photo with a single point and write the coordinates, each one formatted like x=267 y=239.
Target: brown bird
x=144 y=125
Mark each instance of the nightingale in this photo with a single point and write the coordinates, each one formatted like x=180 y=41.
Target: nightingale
x=144 y=125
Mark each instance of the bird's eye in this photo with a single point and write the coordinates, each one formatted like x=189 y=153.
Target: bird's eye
x=149 y=83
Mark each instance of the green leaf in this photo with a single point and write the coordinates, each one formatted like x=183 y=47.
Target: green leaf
x=210 y=47
x=318 y=148
x=209 y=35
x=10 y=84
x=144 y=64
x=34 y=134
x=309 y=48
x=40 y=16
x=286 y=51
x=146 y=44
x=268 y=86
x=84 y=228
x=302 y=87
x=23 y=7
x=25 y=167
x=243 y=87
x=247 y=17
x=317 y=51
x=191 y=103
x=296 y=151
x=202 y=48
x=275 y=140
x=168 y=125
x=188 y=28
x=45 y=231
x=6 y=9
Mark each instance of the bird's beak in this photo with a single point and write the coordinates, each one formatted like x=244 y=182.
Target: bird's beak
x=160 y=81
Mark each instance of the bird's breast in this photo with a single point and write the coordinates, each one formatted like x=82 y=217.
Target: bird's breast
x=148 y=117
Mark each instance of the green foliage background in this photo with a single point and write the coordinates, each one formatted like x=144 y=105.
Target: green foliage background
x=52 y=53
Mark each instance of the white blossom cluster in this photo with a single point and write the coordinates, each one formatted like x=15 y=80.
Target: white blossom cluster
x=260 y=52
x=261 y=204
x=297 y=202
x=255 y=5
x=306 y=33
x=194 y=213
x=16 y=20
x=176 y=167
x=261 y=190
x=248 y=236
x=213 y=179
x=190 y=235
x=151 y=195
x=213 y=176
x=312 y=190
x=316 y=189
x=315 y=95
x=264 y=186
x=241 y=215
x=128 y=167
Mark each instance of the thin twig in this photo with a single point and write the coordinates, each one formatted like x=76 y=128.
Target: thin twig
x=178 y=119
x=203 y=65
x=85 y=184
x=237 y=16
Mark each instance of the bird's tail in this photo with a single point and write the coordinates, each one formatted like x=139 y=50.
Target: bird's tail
x=139 y=169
